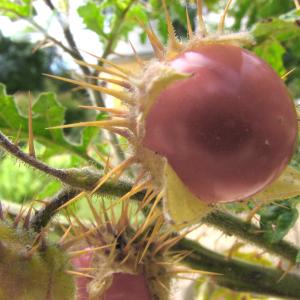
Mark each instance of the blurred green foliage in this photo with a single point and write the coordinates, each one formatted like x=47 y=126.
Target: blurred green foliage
x=16 y=9
x=22 y=67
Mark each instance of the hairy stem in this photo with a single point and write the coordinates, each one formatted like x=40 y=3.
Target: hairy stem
x=86 y=179
x=32 y=161
x=44 y=215
x=239 y=275
x=232 y=225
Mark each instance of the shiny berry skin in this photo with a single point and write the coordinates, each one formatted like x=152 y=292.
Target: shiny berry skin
x=83 y=261
x=124 y=286
x=230 y=129
x=127 y=286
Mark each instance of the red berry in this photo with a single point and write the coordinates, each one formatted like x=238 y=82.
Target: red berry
x=230 y=129
x=83 y=261
x=127 y=286
x=124 y=286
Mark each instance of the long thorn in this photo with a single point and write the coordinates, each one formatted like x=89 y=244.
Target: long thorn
x=201 y=23
x=119 y=169
x=123 y=96
x=30 y=127
x=153 y=235
x=137 y=58
x=78 y=237
x=123 y=83
x=79 y=274
x=171 y=32
x=102 y=69
x=285 y=75
x=103 y=60
x=189 y=25
x=72 y=200
x=114 y=111
x=100 y=124
x=154 y=41
x=223 y=17
x=88 y=250
x=65 y=235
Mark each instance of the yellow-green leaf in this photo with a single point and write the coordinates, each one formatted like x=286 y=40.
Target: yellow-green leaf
x=181 y=205
x=286 y=186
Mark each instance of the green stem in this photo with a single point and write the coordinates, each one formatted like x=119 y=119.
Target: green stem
x=86 y=179
x=239 y=275
x=232 y=225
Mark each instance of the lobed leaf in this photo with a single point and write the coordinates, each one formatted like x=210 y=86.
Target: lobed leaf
x=277 y=219
x=47 y=112
x=13 y=9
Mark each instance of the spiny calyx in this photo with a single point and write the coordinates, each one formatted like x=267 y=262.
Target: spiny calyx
x=30 y=268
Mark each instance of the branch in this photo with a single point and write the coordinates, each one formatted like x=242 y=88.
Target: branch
x=239 y=275
x=116 y=30
x=18 y=153
x=86 y=179
x=44 y=215
x=69 y=37
x=83 y=178
x=232 y=225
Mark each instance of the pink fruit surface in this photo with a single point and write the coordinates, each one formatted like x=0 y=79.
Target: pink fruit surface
x=124 y=286
x=127 y=286
x=230 y=129
x=83 y=261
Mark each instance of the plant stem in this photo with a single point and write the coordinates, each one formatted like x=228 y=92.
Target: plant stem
x=44 y=215
x=239 y=275
x=232 y=225
x=32 y=161
x=69 y=37
x=86 y=179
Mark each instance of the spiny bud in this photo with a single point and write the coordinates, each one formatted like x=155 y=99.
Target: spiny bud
x=30 y=267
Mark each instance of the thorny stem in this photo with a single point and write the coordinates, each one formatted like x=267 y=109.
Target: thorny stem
x=86 y=179
x=239 y=275
x=32 y=161
x=232 y=225
x=44 y=215
x=234 y=274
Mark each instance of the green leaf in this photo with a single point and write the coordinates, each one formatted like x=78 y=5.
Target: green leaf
x=291 y=16
x=18 y=182
x=278 y=29
x=47 y=112
x=93 y=17
x=248 y=13
x=137 y=11
x=277 y=219
x=272 y=52
x=13 y=9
